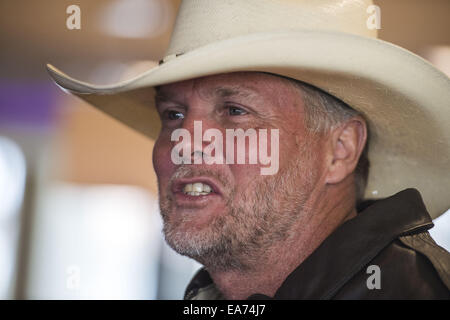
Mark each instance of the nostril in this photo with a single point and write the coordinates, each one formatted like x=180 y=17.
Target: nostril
x=200 y=154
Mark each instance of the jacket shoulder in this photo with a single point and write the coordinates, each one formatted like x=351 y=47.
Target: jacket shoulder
x=410 y=267
x=424 y=244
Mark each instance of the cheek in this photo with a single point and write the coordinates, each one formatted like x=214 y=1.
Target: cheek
x=162 y=162
x=288 y=148
x=244 y=176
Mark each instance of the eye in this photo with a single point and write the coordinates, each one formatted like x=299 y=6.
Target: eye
x=236 y=111
x=173 y=115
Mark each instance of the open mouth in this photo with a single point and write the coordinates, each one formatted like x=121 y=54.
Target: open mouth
x=197 y=195
x=196 y=187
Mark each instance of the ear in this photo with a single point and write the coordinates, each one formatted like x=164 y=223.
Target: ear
x=345 y=147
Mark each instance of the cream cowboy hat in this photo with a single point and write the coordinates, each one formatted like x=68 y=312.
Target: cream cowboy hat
x=326 y=43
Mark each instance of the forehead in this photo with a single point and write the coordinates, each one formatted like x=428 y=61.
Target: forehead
x=241 y=84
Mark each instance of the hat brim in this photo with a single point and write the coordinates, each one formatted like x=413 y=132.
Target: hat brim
x=405 y=99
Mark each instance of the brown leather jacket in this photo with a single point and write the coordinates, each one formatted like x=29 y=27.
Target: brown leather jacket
x=385 y=252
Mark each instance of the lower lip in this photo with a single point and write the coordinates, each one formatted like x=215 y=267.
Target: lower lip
x=186 y=200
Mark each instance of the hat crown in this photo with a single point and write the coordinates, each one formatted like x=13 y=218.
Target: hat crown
x=200 y=22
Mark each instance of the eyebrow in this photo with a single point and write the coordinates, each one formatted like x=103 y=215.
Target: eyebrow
x=161 y=97
x=237 y=91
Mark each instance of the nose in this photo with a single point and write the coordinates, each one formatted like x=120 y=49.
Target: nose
x=197 y=156
x=196 y=126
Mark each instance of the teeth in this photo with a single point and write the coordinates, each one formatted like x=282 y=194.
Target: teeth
x=206 y=188
x=197 y=189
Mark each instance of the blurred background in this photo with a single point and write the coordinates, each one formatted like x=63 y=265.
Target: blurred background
x=79 y=215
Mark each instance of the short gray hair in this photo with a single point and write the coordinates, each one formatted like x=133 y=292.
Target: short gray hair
x=323 y=113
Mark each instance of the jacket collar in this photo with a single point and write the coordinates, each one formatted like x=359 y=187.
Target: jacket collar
x=354 y=244
x=348 y=249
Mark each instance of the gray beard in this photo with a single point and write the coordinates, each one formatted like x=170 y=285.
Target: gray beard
x=254 y=220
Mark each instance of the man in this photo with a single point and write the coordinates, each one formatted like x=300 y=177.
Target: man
x=309 y=85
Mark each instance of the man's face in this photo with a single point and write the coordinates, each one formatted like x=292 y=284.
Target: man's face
x=244 y=210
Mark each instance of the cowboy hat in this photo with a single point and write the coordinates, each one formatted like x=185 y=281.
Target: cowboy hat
x=325 y=43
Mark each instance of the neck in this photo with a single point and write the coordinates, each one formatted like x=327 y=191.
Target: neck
x=273 y=265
